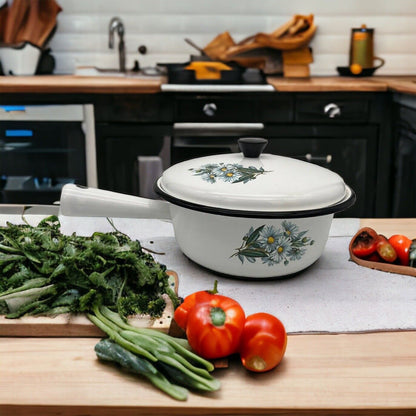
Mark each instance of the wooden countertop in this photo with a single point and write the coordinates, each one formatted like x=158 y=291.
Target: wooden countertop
x=131 y=85
x=79 y=84
x=319 y=375
x=322 y=84
x=344 y=374
x=405 y=85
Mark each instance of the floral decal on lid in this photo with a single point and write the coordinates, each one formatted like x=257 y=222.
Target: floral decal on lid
x=274 y=245
x=227 y=172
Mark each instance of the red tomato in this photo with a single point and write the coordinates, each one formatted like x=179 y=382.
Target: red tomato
x=365 y=242
x=401 y=244
x=373 y=257
x=214 y=329
x=385 y=250
x=263 y=343
x=182 y=311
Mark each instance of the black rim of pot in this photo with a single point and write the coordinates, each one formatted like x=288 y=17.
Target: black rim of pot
x=330 y=209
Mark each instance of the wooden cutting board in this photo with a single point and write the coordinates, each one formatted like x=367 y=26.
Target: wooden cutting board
x=69 y=325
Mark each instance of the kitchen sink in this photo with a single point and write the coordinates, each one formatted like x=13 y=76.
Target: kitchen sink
x=93 y=71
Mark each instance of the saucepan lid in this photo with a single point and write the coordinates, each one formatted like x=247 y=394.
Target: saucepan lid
x=255 y=184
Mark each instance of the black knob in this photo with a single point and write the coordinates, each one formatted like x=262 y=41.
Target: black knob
x=142 y=49
x=209 y=109
x=252 y=146
x=136 y=67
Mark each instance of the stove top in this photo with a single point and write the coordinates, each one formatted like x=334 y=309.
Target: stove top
x=236 y=80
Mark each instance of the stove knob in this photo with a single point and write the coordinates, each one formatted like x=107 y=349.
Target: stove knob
x=332 y=110
x=210 y=109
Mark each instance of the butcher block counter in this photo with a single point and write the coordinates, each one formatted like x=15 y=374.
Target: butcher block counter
x=152 y=84
x=367 y=373
x=51 y=84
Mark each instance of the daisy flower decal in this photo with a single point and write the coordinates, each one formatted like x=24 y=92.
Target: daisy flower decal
x=272 y=245
x=227 y=172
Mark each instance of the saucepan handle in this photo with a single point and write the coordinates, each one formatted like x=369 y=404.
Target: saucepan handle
x=81 y=201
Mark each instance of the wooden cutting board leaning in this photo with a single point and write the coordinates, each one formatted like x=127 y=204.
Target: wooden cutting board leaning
x=68 y=325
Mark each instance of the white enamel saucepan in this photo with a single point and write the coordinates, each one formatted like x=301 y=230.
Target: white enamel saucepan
x=249 y=215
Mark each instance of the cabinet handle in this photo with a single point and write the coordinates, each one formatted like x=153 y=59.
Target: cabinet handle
x=209 y=109
x=319 y=159
x=332 y=110
x=218 y=127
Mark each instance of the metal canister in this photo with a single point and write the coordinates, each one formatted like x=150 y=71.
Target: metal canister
x=362 y=47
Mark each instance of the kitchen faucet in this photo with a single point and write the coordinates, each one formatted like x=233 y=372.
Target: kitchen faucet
x=117 y=24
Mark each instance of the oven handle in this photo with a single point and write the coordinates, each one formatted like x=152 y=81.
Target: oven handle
x=229 y=127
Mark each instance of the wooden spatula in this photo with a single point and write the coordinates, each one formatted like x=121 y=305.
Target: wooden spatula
x=41 y=21
x=16 y=19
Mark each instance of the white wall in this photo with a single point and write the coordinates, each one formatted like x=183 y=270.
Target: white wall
x=162 y=25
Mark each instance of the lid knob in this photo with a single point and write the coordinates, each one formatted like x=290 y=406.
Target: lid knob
x=252 y=146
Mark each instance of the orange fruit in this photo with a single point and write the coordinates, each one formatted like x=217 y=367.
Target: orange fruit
x=356 y=69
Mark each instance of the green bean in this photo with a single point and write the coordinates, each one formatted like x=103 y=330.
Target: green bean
x=111 y=351
x=201 y=371
x=178 y=377
x=146 y=341
x=169 y=358
x=115 y=336
x=211 y=384
x=185 y=352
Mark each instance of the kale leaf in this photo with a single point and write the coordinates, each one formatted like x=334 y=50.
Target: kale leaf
x=56 y=273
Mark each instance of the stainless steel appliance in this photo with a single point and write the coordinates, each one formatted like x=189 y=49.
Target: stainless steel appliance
x=43 y=147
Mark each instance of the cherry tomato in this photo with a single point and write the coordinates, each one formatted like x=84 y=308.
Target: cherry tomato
x=214 y=329
x=263 y=342
x=385 y=250
x=182 y=311
x=373 y=257
x=401 y=244
x=365 y=242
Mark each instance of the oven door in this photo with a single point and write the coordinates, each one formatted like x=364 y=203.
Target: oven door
x=41 y=149
x=191 y=140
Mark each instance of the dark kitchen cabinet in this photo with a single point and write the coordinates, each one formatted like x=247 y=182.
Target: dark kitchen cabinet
x=349 y=152
x=129 y=127
x=347 y=133
x=119 y=146
x=404 y=176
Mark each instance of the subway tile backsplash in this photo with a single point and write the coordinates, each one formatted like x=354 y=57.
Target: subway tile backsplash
x=161 y=25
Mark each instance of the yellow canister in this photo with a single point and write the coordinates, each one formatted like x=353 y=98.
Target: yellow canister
x=362 y=47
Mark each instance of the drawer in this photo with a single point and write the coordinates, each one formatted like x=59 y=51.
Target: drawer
x=277 y=108
x=332 y=109
x=147 y=108
x=216 y=109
